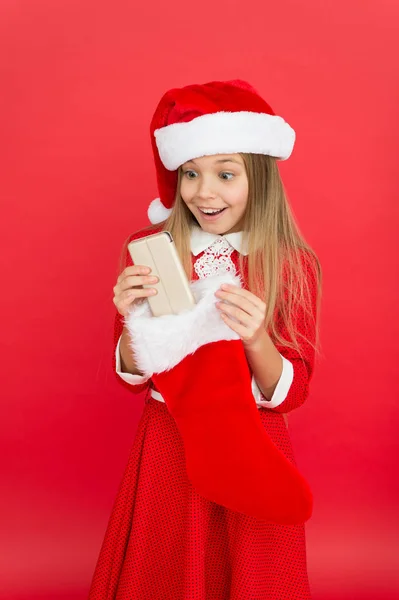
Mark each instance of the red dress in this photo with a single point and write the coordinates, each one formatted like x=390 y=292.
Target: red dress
x=166 y=542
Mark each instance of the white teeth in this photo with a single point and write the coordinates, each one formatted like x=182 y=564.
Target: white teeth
x=211 y=212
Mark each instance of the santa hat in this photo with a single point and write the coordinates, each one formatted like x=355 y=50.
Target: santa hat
x=220 y=117
x=199 y=366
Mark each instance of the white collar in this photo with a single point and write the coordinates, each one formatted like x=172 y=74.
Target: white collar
x=201 y=240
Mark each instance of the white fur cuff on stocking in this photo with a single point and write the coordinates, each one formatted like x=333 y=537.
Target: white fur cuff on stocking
x=160 y=343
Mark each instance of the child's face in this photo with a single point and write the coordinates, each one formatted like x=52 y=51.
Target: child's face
x=216 y=182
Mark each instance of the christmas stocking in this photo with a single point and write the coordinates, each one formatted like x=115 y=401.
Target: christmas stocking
x=198 y=364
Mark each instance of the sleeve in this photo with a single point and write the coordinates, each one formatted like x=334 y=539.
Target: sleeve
x=282 y=388
x=293 y=386
x=134 y=383
x=128 y=377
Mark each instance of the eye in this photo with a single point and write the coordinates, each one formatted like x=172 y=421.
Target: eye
x=222 y=175
x=188 y=173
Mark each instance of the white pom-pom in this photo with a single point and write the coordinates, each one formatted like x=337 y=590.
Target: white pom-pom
x=157 y=212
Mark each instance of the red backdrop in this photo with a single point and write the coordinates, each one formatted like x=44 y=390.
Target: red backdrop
x=80 y=80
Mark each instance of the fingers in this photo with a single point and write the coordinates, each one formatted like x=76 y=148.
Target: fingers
x=132 y=281
x=249 y=303
x=242 y=294
x=127 y=289
x=241 y=310
x=236 y=313
x=240 y=329
x=124 y=300
x=134 y=270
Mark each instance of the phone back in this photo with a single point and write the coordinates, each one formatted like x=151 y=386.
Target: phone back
x=159 y=252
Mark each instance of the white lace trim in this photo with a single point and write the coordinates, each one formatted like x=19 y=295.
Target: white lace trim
x=216 y=260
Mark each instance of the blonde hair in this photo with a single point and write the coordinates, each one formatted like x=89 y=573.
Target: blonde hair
x=290 y=270
x=277 y=250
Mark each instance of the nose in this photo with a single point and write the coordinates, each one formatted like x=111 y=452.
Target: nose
x=204 y=189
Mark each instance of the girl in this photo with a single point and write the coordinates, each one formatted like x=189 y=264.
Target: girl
x=211 y=506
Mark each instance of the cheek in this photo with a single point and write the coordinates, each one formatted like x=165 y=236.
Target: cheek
x=185 y=192
x=239 y=199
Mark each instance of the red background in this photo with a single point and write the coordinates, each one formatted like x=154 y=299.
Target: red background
x=80 y=80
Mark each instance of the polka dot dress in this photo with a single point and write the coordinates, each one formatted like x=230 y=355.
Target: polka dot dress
x=166 y=542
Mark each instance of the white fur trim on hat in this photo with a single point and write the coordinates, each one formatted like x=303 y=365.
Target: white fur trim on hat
x=157 y=212
x=224 y=133
x=160 y=343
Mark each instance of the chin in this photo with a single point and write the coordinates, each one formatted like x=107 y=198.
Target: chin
x=216 y=228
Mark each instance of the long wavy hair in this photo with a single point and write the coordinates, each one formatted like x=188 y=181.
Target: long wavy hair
x=281 y=267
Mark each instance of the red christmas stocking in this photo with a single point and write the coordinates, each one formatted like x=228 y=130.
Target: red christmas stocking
x=198 y=364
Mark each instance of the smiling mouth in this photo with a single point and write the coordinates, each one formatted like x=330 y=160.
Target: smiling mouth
x=211 y=211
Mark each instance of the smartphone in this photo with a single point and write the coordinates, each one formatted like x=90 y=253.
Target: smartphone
x=158 y=251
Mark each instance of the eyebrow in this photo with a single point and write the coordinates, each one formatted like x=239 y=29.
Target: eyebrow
x=221 y=160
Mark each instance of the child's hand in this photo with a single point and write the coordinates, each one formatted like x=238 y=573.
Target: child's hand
x=247 y=309
x=127 y=288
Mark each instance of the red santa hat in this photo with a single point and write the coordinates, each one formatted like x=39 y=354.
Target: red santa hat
x=220 y=117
